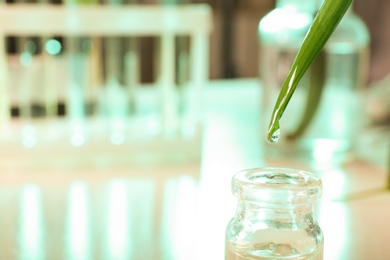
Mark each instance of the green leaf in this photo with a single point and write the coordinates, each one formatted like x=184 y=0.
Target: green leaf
x=313 y=99
x=325 y=22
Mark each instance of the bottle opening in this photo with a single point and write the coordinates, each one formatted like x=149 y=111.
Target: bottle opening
x=277 y=185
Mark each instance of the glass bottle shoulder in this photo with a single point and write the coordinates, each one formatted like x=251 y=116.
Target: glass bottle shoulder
x=350 y=34
x=284 y=26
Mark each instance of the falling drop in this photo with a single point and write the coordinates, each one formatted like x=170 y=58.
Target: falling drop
x=275 y=136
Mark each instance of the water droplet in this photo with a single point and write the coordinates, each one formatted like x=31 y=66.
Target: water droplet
x=275 y=136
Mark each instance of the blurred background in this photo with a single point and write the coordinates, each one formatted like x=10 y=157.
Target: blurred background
x=122 y=123
x=234 y=37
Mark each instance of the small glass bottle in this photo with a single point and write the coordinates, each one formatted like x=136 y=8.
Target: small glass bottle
x=274 y=217
x=323 y=128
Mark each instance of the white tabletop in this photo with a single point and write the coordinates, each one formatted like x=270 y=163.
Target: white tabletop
x=181 y=211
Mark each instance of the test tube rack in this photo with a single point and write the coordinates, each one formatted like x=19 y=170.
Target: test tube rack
x=164 y=136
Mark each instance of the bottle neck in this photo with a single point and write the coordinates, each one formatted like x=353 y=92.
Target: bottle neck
x=291 y=213
x=281 y=193
x=310 y=6
x=298 y=5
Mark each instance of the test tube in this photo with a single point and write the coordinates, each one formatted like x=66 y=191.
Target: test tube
x=27 y=59
x=115 y=98
x=182 y=78
x=120 y=66
x=5 y=110
x=132 y=74
x=76 y=89
x=79 y=53
x=169 y=44
x=52 y=48
x=198 y=76
x=4 y=96
x=26 y=49
x=167 y=86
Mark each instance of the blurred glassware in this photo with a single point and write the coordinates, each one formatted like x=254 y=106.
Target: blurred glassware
x=323 y=116
x=377 y=102
x=164 y=125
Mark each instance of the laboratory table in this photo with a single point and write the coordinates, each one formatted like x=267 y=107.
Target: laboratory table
x=180 y=211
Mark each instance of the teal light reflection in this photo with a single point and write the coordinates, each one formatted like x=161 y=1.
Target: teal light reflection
x=119 y=242
x=30 y=47
x=168 y=218
x=334 y=225
x=145 y=218
x=179 y=218
x=53 y=47
x=280 y=19
x=117 y=131
x=31 y=224
x=186 y=217
x=77 y=137
x=334 y=184
x=26 y=59
x=332 y=215
x=78 y=229
x=29 y=138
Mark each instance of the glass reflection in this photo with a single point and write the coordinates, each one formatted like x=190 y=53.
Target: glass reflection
x=333 y=222
x=130 y=219
x=31 y=224
x=29 y=136
x=119 y=241
x=335 y=184
x=333 y=215
x=186 y=209
x=178 y=218
x=53 y=47
x=78 y=223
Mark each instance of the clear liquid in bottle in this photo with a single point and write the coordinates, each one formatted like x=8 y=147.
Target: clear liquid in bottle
x=279 y=251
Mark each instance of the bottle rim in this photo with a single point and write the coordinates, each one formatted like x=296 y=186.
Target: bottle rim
x=276 y=185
